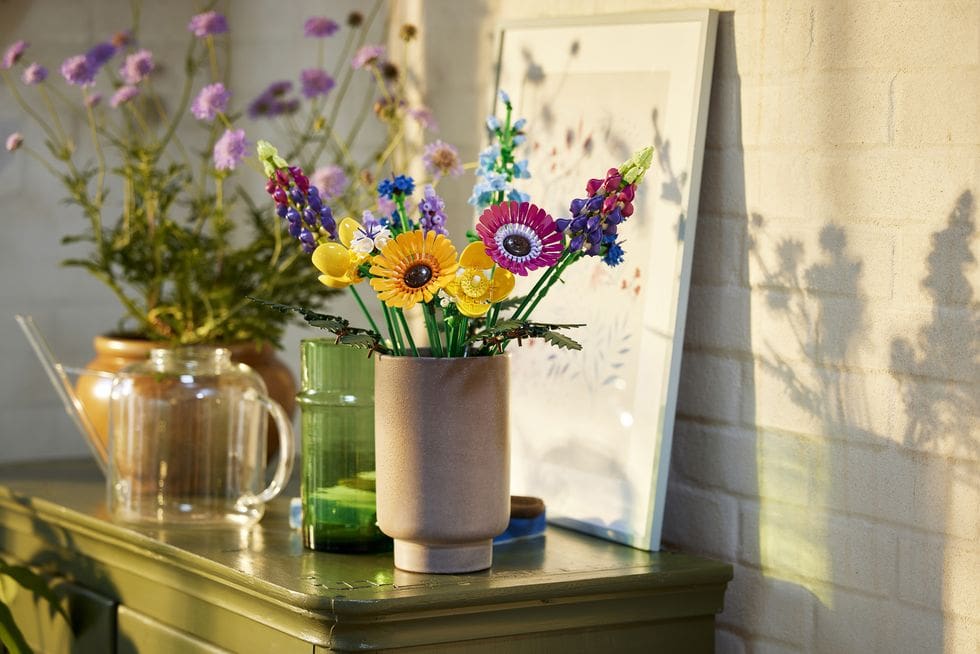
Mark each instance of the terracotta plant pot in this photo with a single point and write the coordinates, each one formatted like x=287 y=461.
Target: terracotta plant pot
x=113 y=353
x=443 y=463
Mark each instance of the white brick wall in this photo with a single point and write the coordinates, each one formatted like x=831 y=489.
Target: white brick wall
x=828 y=433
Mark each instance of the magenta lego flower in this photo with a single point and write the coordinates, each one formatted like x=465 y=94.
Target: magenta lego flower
x=230 y=149
x=330 y=180
x=13 y=54
x=442 y=159
x=78 y=71
x=137 y=67
x=34 y=74
x=369 y=54
x=212 y=100
x=123 y=95
x=520 y=237
x=14 y=141
x=319 y=27
x=93 y=100
x=207 y=24
x=315 y=82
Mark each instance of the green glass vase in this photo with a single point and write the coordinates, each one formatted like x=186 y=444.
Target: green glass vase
x=336 y=401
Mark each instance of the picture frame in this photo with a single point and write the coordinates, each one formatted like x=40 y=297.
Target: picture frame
x=593 y=90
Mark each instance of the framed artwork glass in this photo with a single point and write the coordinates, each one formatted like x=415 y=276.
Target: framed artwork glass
x=591 y=429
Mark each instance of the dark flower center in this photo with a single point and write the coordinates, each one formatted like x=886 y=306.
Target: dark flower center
x=417 y=276
x=517 y=245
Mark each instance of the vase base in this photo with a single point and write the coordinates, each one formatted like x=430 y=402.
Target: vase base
x=443 y=559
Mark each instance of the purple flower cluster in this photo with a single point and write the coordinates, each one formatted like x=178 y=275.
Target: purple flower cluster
x=315 y=82
x=78 y=71
x=319 y=27
x=594 y=224
x=441 y=158
x=123 y=95
x=230 y=149
x=367 y=55
x=208 y=23
x=212 y=100
x=433 y=211
x=330 y=181
x=298 y=202
x=34 y=74
x=273 y=101
x=100 y=54
x=13 y=54
x=137 y=67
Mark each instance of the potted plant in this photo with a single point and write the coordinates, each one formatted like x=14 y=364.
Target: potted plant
x=170 y=226
x=441 y=395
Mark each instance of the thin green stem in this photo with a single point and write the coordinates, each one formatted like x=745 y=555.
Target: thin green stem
x=408 y=332
x=432 y=327
x=27 y=108
x=364 y=309
x=395 y=344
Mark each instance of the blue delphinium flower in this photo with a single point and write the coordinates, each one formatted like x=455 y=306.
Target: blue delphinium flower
x=614 y=254
x=400 y=185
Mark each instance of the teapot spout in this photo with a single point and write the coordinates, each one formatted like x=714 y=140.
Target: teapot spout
x=58 y=376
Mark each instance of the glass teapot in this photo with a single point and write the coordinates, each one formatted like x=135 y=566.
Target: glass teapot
x=187 y=439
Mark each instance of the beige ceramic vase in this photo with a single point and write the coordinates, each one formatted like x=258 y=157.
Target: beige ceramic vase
x=443 y=462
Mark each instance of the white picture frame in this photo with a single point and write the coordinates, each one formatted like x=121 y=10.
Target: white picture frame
x=591 y=430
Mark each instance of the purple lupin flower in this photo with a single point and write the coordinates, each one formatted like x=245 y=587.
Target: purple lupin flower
x=433 y=210
x=14 y=141
x=230 y=149
x=330 y=181
x=368 y=54
x=13 y=54
x=100 y=54
x=137 y=67
x=315 y=82
x=78 y=71
x=319 y=27
x=208 y=23
x=34 y=74
x=212 y=100
x=123 y=95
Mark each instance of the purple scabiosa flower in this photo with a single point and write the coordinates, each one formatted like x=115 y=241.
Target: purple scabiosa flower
x=272 y=101
x=34 y=74
x=93 y=100
x=441 y=159
x=123 y=95
x=315 y=82
x=367 y=55
x=78 y=71
x=14 y=141
x=423 y=116
x=13 y=54
x=319 y=27
x=520 y=237
x=230 y=149
x=331 y=181
x=137 y=67
x=100 y=53
x=212 y=100
x=208 y=23
x=433 y=210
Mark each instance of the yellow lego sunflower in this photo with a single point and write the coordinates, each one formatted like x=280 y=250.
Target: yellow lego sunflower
x=412 y=268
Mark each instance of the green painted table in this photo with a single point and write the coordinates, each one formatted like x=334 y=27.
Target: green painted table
x=141 y=590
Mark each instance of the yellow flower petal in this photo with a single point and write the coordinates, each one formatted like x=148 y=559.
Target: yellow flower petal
x=332 y=258
x=472 y=309
x=334 y=282
x=475 y=256
x=502 y=285
x=346 y=230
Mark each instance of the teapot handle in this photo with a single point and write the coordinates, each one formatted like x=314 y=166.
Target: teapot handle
x=286 y=450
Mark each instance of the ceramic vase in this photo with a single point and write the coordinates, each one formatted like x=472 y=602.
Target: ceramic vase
x=443 y=464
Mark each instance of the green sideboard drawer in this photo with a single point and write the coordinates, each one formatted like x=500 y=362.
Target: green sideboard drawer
x=261 y=591
x=139 y=634
x=93 y=620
